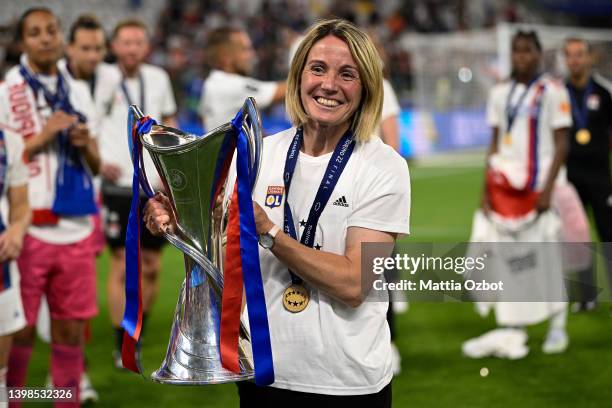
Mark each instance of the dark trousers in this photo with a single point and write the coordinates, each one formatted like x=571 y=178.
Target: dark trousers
x=391 y=276
x=252 y=396
x=595 y=191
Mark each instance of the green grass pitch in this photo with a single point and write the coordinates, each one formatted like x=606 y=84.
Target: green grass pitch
x=434 y=373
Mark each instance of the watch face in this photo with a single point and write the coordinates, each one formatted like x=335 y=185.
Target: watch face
x=266 y=241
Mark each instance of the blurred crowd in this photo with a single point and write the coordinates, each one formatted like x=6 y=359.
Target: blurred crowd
x=178 y=39
x=179 y=34
x=178 y=42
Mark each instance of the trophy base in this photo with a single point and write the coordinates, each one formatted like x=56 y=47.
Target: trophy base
x=164 y=376
x=193 y=356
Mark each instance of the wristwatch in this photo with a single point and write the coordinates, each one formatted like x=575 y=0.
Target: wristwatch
x=267 y=240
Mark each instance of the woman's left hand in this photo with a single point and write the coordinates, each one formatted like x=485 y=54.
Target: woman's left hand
x=11 y=242
x=543 y=203
x=262 y=222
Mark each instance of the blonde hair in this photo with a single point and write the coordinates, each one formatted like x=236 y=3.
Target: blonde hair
x=366 y=118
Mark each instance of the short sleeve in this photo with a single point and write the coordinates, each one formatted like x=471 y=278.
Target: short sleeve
x=559 y=107
x=391 y=106
x=201 y=106
x=168 y=102
x=493 y=109
x=17 y=172
x=84 y=103
x=383 y=197
x=262 y=91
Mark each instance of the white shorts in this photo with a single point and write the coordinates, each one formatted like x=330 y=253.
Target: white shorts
x=12 y=317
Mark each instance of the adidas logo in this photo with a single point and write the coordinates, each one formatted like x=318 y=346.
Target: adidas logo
x=341 y=202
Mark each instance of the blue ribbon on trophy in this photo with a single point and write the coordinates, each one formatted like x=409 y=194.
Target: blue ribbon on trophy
x=194 y=171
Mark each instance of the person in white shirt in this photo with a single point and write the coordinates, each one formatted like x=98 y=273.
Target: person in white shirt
x=85 y=52
x=148 y=87
x=331 y=344
x=54 y=116
x=530 y=117
x=84 y=61
x=13 y=226
x=389 y=123
x=231 y=54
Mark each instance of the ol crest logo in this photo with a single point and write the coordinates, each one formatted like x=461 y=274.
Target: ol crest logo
x=274 y=197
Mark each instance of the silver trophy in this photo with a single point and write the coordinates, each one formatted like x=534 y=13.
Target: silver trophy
x=186 y=164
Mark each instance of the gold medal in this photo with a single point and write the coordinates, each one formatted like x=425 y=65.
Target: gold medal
x=507 y=139
x=583 y=136
x=295 y=298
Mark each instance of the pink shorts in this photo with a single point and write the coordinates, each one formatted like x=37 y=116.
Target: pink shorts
x=66 y=274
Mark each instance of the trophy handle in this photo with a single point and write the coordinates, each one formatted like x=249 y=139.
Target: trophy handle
x=254 y=134
x=178 y=240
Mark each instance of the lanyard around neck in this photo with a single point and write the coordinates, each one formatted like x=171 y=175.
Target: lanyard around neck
x=340 y=157
x=127 y=95
x=512 y=111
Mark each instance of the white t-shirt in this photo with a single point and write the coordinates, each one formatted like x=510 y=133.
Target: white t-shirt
x=515 y=156
x=159 y=102
x=20 y=110
x=17 y=170
x=331 y=348
x=223 y=95
x=391 y=106
x=15 y=175
x=107 y=79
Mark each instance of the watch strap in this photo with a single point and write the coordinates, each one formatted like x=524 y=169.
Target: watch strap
x=273 y=231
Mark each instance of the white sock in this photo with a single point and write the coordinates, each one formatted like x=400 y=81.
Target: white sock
x=3 y=395
x=558 y=321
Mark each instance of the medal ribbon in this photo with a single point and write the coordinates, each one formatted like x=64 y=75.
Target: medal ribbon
x=580 y=113
x=132 y=317
x=532 y=162
x=335 y=167
x=74 y=195
x=242 y=265
x=512 y=111
x=126 y=93
x=5 y=272
x=231 y=299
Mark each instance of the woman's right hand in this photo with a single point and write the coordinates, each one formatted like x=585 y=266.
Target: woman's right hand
x=158 y=216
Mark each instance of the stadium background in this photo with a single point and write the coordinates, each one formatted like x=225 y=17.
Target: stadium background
x=443 y=58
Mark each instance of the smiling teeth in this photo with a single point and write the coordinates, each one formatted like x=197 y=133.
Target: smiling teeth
x=327 y=102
